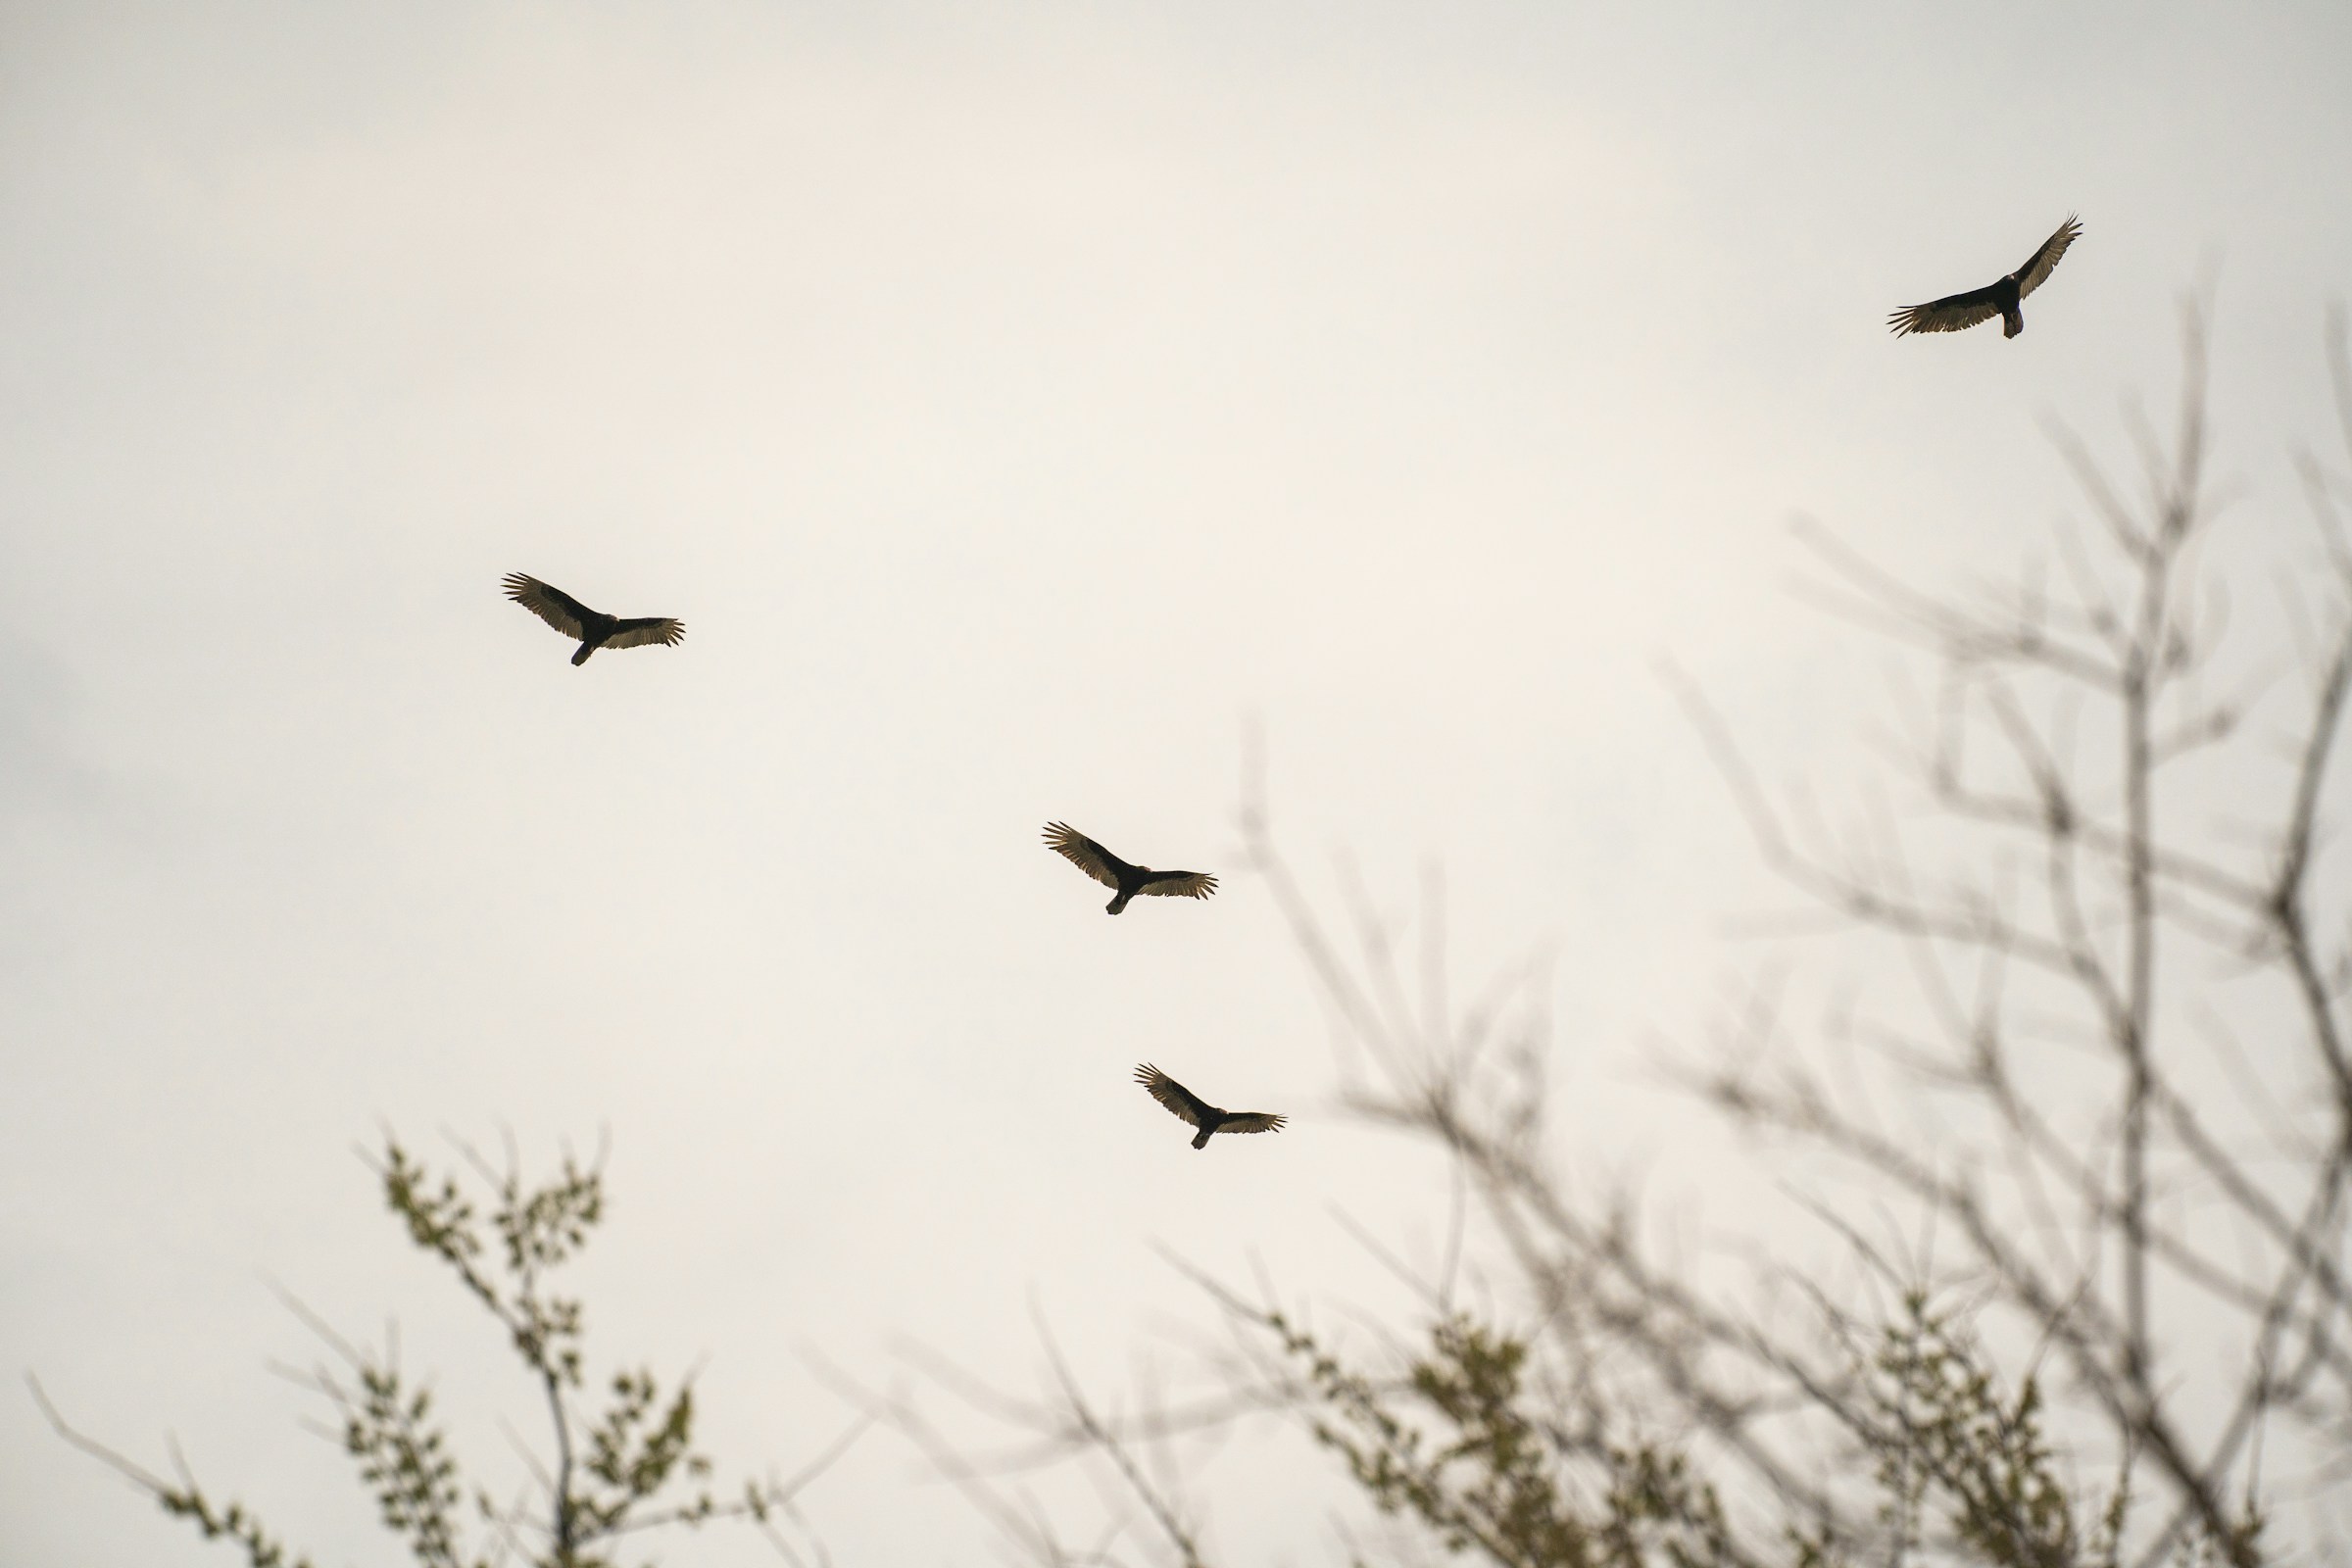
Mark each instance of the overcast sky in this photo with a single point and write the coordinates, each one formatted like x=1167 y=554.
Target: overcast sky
x=1017 y=403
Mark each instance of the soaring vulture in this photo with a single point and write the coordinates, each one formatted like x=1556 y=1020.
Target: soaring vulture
x=1112 y=873
x=593 y=627
x=1188 y=1106
x=1954 y=311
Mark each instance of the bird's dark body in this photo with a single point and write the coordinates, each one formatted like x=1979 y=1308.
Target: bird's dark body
x=1134 y=879
x=1125 y=879
x=1199 y=1113
x=1181 y=1103
x=1130 y=882
x=593 y=627
x=1955 y=312
x=2006 y=295
x=1204 y=1115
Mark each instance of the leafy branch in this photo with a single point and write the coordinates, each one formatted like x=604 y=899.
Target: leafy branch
x=627 y=1466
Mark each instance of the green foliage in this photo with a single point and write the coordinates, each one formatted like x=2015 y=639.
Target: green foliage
x=263 y=1551
x=1950 y=1443
x=626 y=1467
x=537 y=1230
x=635 y=1460
x=405 y=1461
x=1952 y=1435
x=1460 y=1443
x=1965 y=1471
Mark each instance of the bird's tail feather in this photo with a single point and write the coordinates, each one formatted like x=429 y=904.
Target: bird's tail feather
x=1118 y=903
x=581 y=658
x=1202 y=1142
x=2013 y=321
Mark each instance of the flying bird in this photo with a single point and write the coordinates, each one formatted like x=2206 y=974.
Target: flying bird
x=1188 y=1106
x=1112 y=873
x=1955 y=311
x=593 y=627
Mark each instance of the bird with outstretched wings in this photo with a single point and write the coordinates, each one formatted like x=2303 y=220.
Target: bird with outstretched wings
x=1188 y=1106
x=1957 y=312
x=1127 y=880
x=593 y=627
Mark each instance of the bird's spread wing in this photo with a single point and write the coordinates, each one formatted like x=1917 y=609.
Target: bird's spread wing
x=1180 y=1100
x=551 y=605
x=1252 y=1122
x=639 y=630
x=1180 y=885
x=2046 y=260
x=1083 y=852
x=1951 y=313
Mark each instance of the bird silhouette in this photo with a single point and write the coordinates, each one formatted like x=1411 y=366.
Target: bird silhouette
x=1955 y=311
x=1129 y=880
x=593 y=627
x=1188 y=1106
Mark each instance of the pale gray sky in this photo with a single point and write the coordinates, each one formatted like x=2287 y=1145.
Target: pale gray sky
x=1014 y=402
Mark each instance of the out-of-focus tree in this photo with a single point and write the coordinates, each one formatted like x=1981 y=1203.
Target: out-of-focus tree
x=2056 y=1063
x=624 y=1463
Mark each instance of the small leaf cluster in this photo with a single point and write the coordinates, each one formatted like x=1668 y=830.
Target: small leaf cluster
x=625 y=1465
x=633 y=1451
x=613 y=1468
x=537 y=1229
x=1949 y=1436
x=1458 y=1443
x=404 y=1459
x=1949 y=1440
x=263 y=1551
